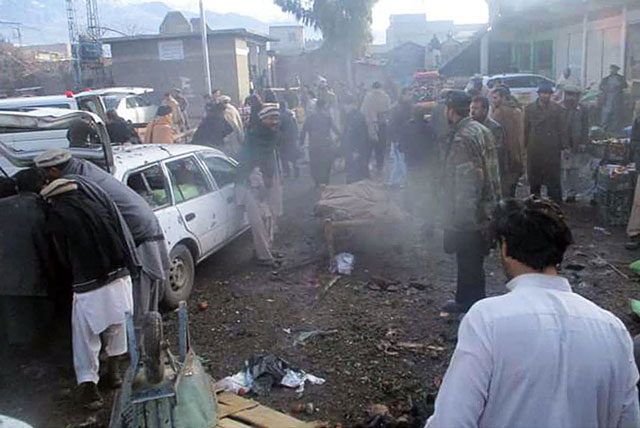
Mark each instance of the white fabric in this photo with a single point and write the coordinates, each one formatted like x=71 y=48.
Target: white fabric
x=95 y=312
x=539 y=356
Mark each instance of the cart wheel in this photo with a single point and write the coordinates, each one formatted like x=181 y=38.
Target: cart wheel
x=153 y=338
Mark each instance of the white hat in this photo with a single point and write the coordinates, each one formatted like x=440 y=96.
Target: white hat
x=53 y=157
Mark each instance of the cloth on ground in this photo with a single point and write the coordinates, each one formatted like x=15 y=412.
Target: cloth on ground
x=363 y=200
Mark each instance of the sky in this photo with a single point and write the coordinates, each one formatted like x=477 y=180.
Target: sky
x=460 y=11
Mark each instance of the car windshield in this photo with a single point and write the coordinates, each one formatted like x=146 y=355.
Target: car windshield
x=111 y=101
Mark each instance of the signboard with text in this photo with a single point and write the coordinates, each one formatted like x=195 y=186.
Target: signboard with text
x=170 y=50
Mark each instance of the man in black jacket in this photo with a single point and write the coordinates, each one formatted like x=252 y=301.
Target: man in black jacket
x=96 y=262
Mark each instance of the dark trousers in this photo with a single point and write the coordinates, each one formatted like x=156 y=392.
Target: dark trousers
x=472 y=249
x=549 y=175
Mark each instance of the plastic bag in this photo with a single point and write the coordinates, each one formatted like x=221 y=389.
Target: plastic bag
x=343 y=263
x=399 y=172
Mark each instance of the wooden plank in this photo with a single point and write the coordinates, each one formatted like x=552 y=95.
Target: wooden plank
x=264 y=417
x=234 y=400
x=230 y=423
x=225 y=410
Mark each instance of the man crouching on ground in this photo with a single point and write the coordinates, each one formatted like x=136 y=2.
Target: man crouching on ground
x=540 y=355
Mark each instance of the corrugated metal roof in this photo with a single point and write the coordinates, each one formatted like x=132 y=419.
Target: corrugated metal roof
x=240 y=32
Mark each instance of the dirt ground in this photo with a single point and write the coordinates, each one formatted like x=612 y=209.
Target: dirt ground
x=387 y=343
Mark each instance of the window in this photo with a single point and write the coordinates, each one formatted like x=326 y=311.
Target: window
x=523 y=81
x=151 y=184
x=187 y=179
x=88 y=105
x=222 y=171
x=111 y=102
x=141 y=102
x=132 y=102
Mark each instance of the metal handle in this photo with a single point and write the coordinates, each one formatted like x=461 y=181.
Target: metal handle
x=190 y=216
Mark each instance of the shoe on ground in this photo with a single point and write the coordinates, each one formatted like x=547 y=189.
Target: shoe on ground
x=453 y=308
x=114 y=378
x=89 y=396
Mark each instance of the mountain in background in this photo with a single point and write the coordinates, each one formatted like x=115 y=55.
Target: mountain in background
x=45 y=21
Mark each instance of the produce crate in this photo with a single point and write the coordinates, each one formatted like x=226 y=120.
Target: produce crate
x=614 y=194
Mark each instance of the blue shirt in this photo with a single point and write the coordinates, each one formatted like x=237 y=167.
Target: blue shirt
x=539 y=356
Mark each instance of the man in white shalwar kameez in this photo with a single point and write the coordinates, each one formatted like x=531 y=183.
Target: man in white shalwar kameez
x=96 y=263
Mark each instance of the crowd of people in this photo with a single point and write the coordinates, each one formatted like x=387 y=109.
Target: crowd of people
x=538 y=356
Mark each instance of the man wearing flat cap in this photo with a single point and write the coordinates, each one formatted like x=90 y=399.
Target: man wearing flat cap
x=471 y=187
x=611 y=89
x=147 y=235
x=544 y=139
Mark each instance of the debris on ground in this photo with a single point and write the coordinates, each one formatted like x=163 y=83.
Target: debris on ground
x=203 y=305
x=343 y=264
x=575 y=266
x=602 y=230
x=262 y=372
x=379 y=283
x=306 y=335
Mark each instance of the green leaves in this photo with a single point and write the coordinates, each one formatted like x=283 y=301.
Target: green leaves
x=345 y=24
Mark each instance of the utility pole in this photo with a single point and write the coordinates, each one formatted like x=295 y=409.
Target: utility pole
x=74 y=41
x=205 y=49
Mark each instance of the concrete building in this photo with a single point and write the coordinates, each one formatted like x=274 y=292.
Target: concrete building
x=415 y=28
x=173 y=58
x=288 y=39
x=546 y=36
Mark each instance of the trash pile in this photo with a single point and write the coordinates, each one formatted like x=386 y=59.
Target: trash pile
x=262 y=373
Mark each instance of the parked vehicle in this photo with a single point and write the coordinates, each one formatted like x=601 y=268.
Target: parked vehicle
x=524 y=86
x=191 y=188
x=131 y=103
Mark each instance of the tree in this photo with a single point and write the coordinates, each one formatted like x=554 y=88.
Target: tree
x=345 y=24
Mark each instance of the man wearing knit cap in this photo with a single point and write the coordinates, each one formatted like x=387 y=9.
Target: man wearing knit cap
x=544 y=139
x=257 y=179
x=148 y=238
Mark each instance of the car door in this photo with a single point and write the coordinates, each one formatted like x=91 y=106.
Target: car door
x=224 y=174
x=198 y=202
x=133 y=110
x=151 y=183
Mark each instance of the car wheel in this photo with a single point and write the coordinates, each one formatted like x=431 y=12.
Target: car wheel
x=153 y=344
x=181 y=276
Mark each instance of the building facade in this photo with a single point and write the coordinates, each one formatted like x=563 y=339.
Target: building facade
x=287 y=39
x=547 y=36
x=174 y=59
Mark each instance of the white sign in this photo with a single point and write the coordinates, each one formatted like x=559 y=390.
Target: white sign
x=170 y=50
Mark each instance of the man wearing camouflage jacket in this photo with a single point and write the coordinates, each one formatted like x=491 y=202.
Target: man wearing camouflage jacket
x=471 y=182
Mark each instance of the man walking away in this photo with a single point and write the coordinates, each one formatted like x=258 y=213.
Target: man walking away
x=544 y=139
x=355 y=142
x=231 y=114
x=256 y=171
x=540 y=355
x=91 y=247
x=159 y=130
x=289 y=152
x=576 y=120
x=120 y=131
x=321 y=151
x=177 y=95
x=511 y=117
x=480 y=113
x=470 y=186
x=375 y=107
x=611 y=92
x=148 y=238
